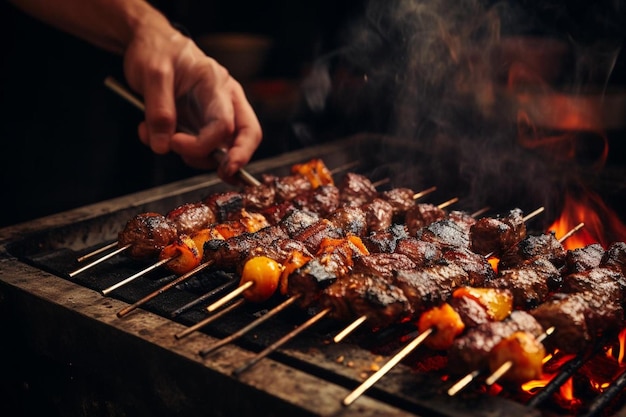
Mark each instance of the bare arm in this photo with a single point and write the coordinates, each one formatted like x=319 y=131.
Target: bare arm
x=178 y=82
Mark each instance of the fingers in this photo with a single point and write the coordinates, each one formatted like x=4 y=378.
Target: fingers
x=160 y=111
x=232 y=124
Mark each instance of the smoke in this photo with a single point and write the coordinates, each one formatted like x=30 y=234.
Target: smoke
x=437 y=72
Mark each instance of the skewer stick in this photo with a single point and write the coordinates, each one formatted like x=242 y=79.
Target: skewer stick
x=97 y=251
x=369 y=382
x=234 y=293
x=97 y=261
x=280 y=307
x=203 y=297
x=271 y=348
x=164 y=288
x=504 y=368
x=209 y=319
x=218 y=154
x=424 y=192
x=106 y=291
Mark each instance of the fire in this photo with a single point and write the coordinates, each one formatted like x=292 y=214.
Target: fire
x=601 y=224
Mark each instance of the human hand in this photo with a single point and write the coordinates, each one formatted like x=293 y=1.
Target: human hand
x=181 y=86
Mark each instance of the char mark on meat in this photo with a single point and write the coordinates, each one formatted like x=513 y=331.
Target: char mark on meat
x=582 y=259
x=351 y=220
x=446 y=234
x=493 y=235
x=297 y=220
x=579 y=318
x=530 y=283
x=226 y=205
x=323 y=200
x=313 y=235
x=385 y=240
x=147 y=234
x=366 y=294
x=478 y=268
x=424 y=254
x=422 y=215
x=545 y=245
x=430 y=286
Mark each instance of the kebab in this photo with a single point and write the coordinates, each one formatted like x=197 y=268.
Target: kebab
x=307 y=286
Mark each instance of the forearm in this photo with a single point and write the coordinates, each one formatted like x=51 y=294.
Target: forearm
x=109 y=24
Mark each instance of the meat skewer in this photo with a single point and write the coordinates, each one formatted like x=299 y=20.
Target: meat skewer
x=506 y=366
x=313 y=170
x=301 y=288
x=363 y=318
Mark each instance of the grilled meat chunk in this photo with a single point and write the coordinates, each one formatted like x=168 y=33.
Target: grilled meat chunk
x=290 y=186
x=615 y=257
x=225 y=205
x=356 y=190
x=579 y=318
x=382 y=264
x=422 y=253
x=545 y=245
x=446 y=234
x=530 y=283
x=366 y=294
x=311 y=279
x=313 y=235
x=493 y=235
x=229 y=253
x=478 y=269
x=147 y=234
x=401 y=199
x=421 y=215
x=191 y=217
x=322 y=200
x=605 y=281
x=582 y=259
x=385 y=240
x=297 y=220
x=259 y=197
x=379 y=214
x=351 y=220
x=427 y=287
x=470 y=351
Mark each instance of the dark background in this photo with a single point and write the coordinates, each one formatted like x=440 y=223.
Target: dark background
x=68 y=141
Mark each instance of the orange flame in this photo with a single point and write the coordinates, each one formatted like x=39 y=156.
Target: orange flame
x=602 y=224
